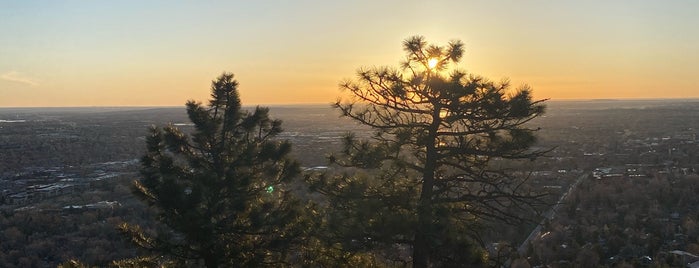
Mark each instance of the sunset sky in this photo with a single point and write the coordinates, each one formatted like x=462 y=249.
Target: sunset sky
x=142 y=53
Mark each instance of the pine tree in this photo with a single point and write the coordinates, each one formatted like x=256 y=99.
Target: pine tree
x=430 y=176
x=219 y=192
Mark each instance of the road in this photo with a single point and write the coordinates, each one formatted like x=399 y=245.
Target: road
x=550 y=214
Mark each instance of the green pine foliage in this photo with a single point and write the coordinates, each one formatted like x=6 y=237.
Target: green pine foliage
x=220 y=192
x=428 y=182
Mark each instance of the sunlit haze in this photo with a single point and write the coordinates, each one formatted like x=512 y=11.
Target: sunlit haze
x=144 y=53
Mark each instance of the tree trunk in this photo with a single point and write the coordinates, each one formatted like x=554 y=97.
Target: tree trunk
x=210 y=256
x=420 y=251
x=421 y=245
x=210 y=261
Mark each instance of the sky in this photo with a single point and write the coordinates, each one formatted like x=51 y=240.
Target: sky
x=163 y=53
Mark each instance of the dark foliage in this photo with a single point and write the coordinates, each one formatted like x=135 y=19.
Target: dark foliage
x=220 y=192
x=430 y=181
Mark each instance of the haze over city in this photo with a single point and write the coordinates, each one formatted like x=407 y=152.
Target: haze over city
x=161 y=53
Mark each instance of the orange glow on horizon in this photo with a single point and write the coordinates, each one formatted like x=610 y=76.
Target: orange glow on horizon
x=80 y=53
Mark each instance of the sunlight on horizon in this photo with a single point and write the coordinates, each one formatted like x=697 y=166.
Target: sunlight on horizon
x=85 y=54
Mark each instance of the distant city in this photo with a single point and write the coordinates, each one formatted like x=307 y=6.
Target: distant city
x=623 y=179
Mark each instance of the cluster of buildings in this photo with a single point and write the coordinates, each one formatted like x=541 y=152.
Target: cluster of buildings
x=37 y=184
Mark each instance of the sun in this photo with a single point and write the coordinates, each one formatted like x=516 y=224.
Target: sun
x=432 y=62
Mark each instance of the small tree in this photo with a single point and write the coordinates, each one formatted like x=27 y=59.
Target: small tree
x=219 y=191
x=431 y=164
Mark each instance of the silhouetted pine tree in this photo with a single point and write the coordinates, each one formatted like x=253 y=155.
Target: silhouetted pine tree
x=430 y=179
x=219 y=192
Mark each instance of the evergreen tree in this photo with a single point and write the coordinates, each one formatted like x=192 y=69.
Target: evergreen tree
x=219 y=192
x=430 y=174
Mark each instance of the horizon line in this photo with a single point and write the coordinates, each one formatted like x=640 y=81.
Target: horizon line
x=330 y=103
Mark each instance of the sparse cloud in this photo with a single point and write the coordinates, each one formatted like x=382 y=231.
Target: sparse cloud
x=17 y=77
